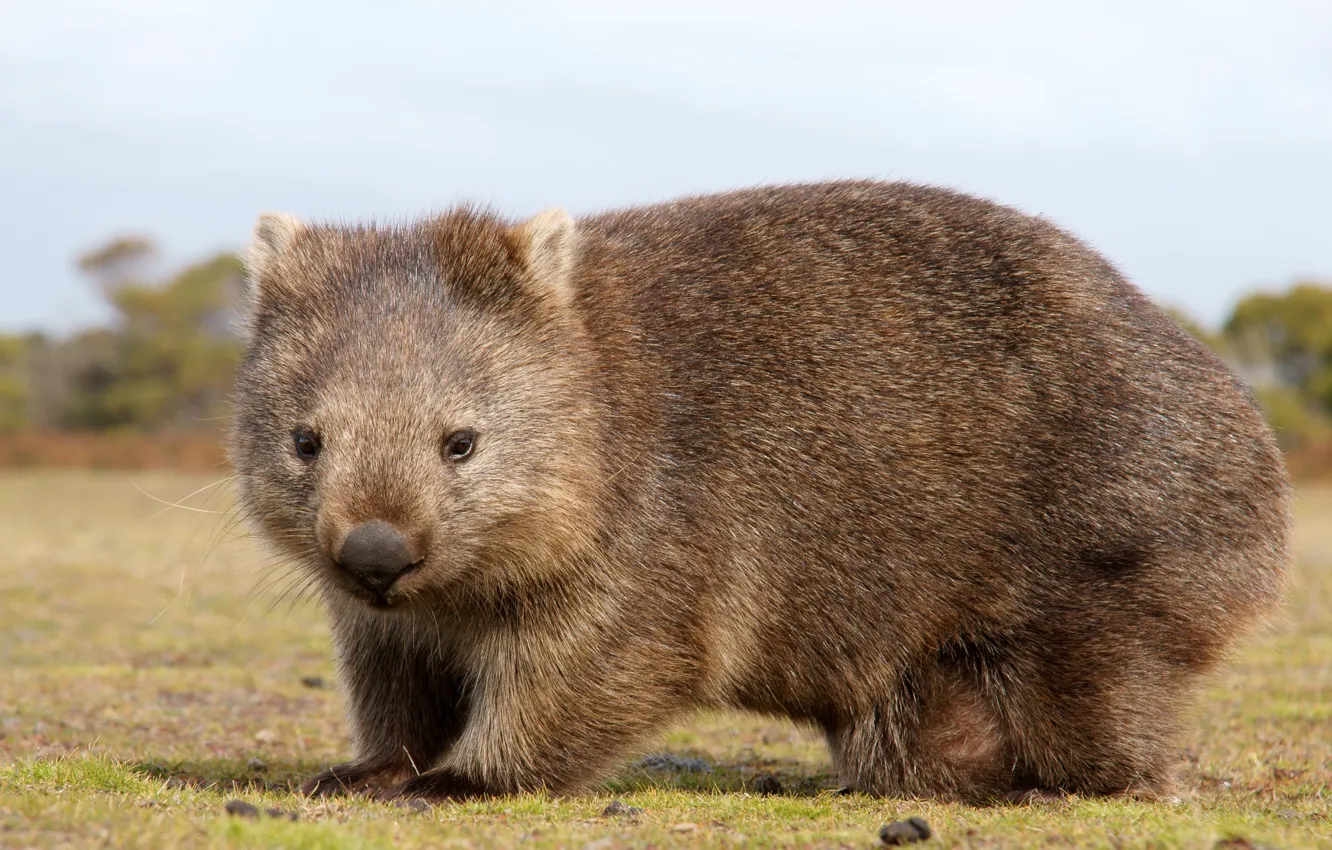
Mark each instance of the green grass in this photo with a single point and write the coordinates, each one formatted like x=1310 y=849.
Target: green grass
x=143 y=684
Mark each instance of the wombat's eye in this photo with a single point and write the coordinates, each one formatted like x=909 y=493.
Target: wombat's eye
x=459 y=444
x=307 y=442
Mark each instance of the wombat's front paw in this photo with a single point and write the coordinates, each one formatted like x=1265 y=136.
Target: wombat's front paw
x=437 y=784
x=351 y=778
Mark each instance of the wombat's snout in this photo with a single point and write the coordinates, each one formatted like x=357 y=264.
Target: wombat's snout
x=376 y=554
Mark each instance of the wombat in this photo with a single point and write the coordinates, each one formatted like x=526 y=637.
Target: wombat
x=905 y=465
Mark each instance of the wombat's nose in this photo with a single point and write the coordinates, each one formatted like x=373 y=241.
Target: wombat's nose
x=376 y=554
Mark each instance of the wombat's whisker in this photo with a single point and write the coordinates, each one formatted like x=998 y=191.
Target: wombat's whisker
x=171 y=505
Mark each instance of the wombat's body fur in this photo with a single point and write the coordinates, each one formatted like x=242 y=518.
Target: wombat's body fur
x=906 y=465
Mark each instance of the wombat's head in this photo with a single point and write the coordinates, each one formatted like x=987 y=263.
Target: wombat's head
x=413 y=414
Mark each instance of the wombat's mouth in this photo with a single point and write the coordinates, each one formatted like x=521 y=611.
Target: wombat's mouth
x=375 y=595
x=386 y=601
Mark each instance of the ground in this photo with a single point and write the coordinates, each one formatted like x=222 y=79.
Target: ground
x=151 y=670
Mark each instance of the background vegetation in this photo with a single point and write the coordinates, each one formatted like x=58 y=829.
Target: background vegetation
x=163 y=366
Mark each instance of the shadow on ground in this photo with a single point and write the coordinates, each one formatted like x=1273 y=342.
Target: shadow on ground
x=657 y=772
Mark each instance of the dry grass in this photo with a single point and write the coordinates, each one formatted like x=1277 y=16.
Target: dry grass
x=140 y=676
x=197 y=452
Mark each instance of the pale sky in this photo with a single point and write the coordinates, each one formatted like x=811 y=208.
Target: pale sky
x=1190 y=142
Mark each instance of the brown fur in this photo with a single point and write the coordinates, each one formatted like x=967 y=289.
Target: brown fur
x=902 y=464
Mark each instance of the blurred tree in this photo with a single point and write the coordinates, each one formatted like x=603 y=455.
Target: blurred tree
x=1282 y=342
x=168 y=363
x=1291 y=331
x=121 y=261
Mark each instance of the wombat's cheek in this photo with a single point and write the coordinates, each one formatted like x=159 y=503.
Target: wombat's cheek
x=328 y=533
x=275 y=517
x=443 y=566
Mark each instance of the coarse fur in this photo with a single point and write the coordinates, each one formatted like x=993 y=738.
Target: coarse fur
x=903 y=464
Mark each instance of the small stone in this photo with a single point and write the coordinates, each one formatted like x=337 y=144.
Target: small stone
x=768 y=785
x=907 y=831
x=257 y=765
x=685 y=828
x=313 y=681
x=241 y=809
x=416 y=804
x=619 y=809
x=266 y=736
x=278 y=813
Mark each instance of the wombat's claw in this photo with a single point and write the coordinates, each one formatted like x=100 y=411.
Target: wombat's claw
x=325 y=784
x=436 y=785
x=338 y=780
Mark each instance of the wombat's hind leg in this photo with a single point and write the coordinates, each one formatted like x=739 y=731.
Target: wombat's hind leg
x=1095 y=697
x=939 y=736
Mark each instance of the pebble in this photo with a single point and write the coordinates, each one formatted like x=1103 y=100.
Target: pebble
x=242 y=809
x=256 y=765
x=313 y=681
x=907 y=831
x=619 y=809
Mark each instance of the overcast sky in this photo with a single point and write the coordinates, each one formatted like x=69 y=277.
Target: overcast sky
x=1190 y=142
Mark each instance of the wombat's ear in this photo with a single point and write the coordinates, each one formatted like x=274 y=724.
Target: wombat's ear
x=548 y=242
x=273 y=235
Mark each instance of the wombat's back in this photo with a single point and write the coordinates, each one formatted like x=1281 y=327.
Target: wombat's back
x=901 y=424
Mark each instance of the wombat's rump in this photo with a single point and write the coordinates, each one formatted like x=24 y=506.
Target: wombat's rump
x=906 y=465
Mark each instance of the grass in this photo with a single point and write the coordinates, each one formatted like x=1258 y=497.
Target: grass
x=143 y=684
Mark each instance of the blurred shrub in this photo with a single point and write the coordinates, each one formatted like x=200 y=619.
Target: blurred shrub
x=165 y=364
